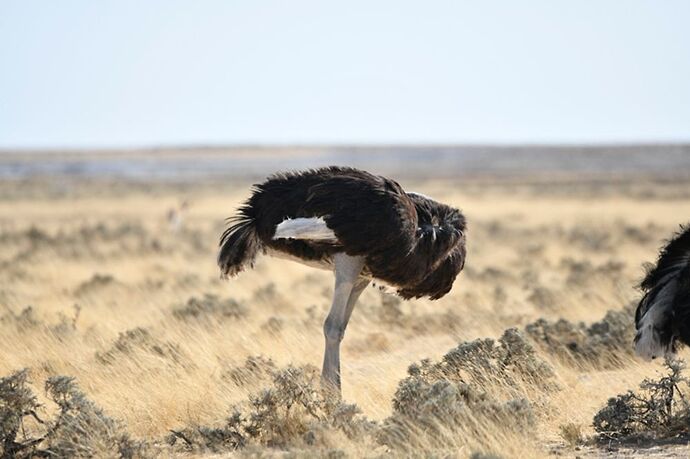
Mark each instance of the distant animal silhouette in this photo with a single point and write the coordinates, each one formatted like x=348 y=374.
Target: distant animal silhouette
x=175 y=216
x=363 y=226
x=663 y=315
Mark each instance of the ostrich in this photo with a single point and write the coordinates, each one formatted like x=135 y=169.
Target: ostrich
x=663 y=315
x=362 y=226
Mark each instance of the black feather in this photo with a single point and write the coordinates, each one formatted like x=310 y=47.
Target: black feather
x=238 y=244
x=676 y=251
x=670 y=275
x=408 y=240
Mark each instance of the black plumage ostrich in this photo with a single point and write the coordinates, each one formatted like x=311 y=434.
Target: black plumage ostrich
x=662 y=318
x=362 y=226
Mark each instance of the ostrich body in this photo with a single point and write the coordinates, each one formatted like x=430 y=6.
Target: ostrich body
x=663 y=315
x=362 y=226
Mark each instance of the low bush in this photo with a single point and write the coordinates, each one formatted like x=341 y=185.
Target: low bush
x=604 y=344
x=140 y=341
x=78 y=429
x=437 y=412
x=659 y=409
x=293 y=413
x=209 y=307
x=445 y=403
x=26 y=320
x=256 y=368
x=95 y=284
x=483 y=361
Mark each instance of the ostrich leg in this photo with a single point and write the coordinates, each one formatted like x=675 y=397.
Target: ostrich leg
x=348 y=287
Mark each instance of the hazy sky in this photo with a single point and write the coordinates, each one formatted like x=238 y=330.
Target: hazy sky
x=129 y=73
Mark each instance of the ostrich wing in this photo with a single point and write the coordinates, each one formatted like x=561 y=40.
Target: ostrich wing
x=408 y=240
x=314 y=229
x=371 y=216
x=365 y=211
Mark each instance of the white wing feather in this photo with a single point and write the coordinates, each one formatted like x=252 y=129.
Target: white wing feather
x=314 y=229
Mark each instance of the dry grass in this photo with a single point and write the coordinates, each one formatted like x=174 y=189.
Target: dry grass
x=159 y=343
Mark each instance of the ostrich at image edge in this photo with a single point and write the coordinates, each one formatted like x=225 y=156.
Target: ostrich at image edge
x=662 y=318
x=362 y=226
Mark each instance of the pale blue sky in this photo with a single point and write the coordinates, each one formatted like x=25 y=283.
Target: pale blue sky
x=141 y=73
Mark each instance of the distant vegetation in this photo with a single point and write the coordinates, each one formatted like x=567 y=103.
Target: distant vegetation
x=117 y=338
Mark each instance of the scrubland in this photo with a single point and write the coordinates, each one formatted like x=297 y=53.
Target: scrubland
x=133 y=346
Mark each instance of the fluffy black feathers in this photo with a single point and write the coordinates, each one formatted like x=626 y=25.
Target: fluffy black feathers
x=663 y=314
x=408 y=240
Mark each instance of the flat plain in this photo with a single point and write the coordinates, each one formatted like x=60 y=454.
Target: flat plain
x=114 y=283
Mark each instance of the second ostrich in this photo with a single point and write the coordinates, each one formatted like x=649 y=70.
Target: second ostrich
x=362 y=226
x=662 y=318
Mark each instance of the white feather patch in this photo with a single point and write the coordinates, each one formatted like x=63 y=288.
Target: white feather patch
x=314 y=229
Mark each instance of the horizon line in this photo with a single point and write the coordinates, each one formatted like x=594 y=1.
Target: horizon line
x=217 y=146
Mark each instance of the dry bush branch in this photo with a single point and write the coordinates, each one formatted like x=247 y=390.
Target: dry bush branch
x=292 y=413
x=659 y=409
x=79 y=428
